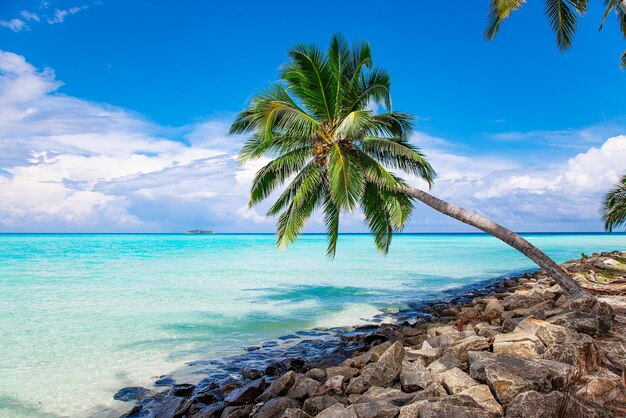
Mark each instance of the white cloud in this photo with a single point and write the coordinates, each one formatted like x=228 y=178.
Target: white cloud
x=30 y=15
x=68 y=164
x=60 y=14
x=16 y=25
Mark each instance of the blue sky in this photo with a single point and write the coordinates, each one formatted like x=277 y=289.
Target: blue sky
x=516 y=129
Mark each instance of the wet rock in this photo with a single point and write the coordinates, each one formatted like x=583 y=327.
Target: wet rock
x=172 y=407
x=246 y=394
x=455 y=381
x=386 y=370
x=279 y=387
x=533 y=404
x=164 y=381
x=508 y=376
x=414 y=376
x=251 y=374
x=303 y=387
x=133 y=393
x=279 y=367
x=317 y=404
x=276 y=407
x=378 y=409
x=208 y=396
x=237 y=411
x=211 y=411
x=182 y=390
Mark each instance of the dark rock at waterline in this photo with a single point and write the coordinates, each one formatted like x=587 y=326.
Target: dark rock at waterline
x=279 y=367
x=133 y=393
x=251 y=374
x=182 y=390
x=247 y=393
x=164 y=381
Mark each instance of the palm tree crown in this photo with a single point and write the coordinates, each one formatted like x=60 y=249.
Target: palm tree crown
x=614 y=206
x=334 y=152
x=562 y=16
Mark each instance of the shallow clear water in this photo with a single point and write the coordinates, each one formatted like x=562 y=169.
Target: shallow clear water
x=83 y=315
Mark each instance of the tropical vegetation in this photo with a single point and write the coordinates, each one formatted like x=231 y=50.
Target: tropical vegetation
x=614 y=206
x=562 y=16
x=331 y=151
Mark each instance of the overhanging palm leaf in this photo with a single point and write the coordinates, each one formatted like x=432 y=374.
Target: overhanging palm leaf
x=329 y=151
x=614 y=206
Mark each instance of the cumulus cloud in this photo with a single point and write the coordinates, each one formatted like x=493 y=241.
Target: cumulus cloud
x=15 y=24
x=68 y=164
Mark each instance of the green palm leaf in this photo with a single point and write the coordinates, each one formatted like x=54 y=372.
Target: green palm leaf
x=345 y=178
x=614 y=206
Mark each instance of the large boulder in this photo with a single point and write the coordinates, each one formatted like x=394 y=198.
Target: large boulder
x=393 y=396
x=446 y=362
x=518 y=344
x=317 y=404
x=533 y=404
x=471 y=343
x=456 y=380
x=414 y=377
x=483 y=397
x=508 y=376
x=448 y=407
x=338 y=411
x=303 y=387
x=425 y=356
x=386 y=370
x=377 y=409
x=278 y=387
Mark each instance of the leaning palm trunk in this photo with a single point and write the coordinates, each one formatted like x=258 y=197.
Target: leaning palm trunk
x=503 y=234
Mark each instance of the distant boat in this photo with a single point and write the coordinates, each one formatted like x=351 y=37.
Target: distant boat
x=199 y=232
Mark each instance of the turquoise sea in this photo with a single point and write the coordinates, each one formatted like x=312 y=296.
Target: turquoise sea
x=82 y=315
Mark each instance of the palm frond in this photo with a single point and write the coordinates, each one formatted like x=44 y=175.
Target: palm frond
x=309 y=177
x=498 y=11
x=276 y=172
x=622 y=61
x=291 y=222
x=309 y=77
x=331 y=219
x=614 y=206
x=399 y=154
x=344 y=177
x=562 y=20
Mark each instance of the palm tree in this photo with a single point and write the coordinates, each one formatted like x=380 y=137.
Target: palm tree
x=336 y=154
x=562 y=16
x=614 y=206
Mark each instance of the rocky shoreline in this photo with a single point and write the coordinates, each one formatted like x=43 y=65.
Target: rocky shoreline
x=514 y=348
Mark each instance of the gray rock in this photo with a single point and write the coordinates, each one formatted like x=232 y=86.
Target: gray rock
x=275 y=407
x=414 y=377
x=338 y=411
x=448 y=407
x=295 y=413
x=314 y=406
x=347 y=372
x=336 y=384
x=247 y=393
x=425 y=356
x=447 y=362
x=532 y=404
x=508 y=376
x=435 y=390
x=483 y=397
x=393 y=396
x=455 y=381
x=172 y=406
x=471 y=343
x=317 y=374
x=377 y=409
x=518 y=344
x=303 y=387
x=386 y=370
x=357 y=386
x=582 y=354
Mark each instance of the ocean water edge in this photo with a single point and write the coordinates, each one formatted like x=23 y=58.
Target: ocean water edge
x=83 y=315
